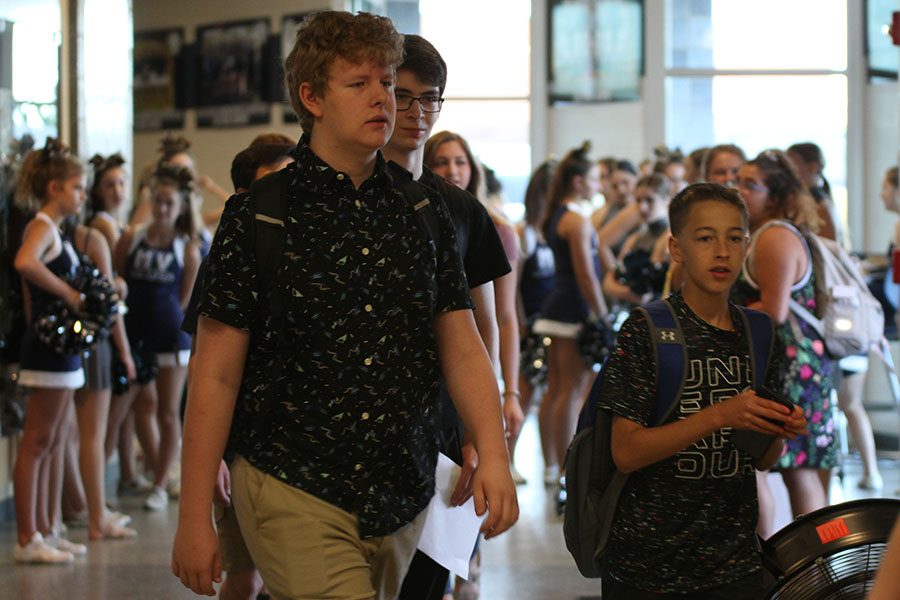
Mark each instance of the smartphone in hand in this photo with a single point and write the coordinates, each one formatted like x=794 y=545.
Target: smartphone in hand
x=753 y=442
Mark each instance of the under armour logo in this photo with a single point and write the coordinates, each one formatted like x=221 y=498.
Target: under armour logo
x=667 y=335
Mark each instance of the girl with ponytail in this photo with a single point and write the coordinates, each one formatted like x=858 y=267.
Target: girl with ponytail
x=159 y=261
x=575 y=298
x=50 y=182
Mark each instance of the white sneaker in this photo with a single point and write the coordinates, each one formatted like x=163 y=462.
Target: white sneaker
x=114 y=516
x=36 y=551
x=135 y=487
x=64 y=545
x=871 y=482
x=517 y=477
x=551 y=476
x=157 y=499
x=173 y=488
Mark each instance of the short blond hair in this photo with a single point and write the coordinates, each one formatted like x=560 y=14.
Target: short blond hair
x=325 y=36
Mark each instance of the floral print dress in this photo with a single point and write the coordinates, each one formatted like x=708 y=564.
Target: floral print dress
x=808 y=370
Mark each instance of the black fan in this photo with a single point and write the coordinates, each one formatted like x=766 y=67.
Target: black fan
x=832 y=553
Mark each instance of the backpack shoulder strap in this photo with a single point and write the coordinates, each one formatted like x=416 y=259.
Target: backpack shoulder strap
x=670 y=357
x=268 y=203
x=417 y=196
x=761 y=337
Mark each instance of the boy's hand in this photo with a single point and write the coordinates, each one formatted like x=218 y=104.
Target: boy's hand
x=748 y=411
x=495 y=492
x=195 y=557
x=513 y=417
x=795 y=424
x=222 y=495
x=463 y=489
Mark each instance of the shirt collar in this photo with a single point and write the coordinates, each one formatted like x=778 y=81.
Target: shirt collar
x=320 y=174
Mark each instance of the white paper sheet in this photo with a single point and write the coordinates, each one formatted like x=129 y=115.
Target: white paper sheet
x=449 y=533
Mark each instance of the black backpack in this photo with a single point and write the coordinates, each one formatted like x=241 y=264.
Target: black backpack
x=593 y=483
x=269 y=205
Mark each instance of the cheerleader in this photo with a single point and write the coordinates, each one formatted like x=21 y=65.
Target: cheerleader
x=159 y=261
x=174 y=150
x=92 y=402
x=52 y=179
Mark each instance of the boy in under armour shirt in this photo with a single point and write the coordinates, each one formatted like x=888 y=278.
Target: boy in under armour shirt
x=685 y=524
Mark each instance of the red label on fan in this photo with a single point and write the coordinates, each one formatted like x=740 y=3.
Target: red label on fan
x=832 y=530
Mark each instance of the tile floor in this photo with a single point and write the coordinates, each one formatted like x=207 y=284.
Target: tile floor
x=528 y=563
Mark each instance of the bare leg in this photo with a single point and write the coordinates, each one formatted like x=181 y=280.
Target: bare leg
x=545 y=413
x=44 y=413
x=169 y=384
x=73 y=494
x=765 y=527
x=805 y=490
x=92 y=408
x=145 y=424
x=528 y=394
x=850 y=400
x=127 y=462
x=119 y=409
x=574 y=376
x=57 y=471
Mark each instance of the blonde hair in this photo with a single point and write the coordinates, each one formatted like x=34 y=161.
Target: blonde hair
x=329 y=35
x=39 y=167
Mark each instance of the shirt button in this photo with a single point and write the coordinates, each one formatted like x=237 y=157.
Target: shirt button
x=365 y=416
x=365 y=251
x=368 y=308
x=358 y=204
x=368 y=361
x=358 y=467
x=340 y=176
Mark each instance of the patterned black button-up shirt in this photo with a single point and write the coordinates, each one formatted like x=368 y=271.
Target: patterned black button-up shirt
x=349 y=410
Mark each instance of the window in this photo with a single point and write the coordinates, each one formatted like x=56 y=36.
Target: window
x=35 y=68
x=487 y=48
x=748 y=73
x=882 y=54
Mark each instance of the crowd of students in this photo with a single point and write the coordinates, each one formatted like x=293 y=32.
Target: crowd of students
x=325 y=377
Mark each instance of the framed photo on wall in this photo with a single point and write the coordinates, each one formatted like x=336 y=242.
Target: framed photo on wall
x=596 y=50
x=232 y=74
x=156 y=55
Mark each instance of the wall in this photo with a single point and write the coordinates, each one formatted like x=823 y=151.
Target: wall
x=614 y=129
x=214 y=149
x=882 y=135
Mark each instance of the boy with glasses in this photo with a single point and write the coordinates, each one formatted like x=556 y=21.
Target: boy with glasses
x=421 y=79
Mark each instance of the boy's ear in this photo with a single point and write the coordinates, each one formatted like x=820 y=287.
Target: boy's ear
x=310 y=99
x=675 y=250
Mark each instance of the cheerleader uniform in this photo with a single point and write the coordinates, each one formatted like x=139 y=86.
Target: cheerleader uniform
x=564 y=310
x=538 y=271
x=154 y=316
x=42 y=367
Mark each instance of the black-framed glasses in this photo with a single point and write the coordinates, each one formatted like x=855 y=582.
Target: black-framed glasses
x=430 y=103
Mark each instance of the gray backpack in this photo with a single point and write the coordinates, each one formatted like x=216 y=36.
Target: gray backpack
x=848 y=317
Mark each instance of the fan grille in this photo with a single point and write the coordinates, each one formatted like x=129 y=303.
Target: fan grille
x=844 y=575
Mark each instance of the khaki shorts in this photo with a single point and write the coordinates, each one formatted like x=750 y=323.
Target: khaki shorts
x=232 y=548
x=305 y=547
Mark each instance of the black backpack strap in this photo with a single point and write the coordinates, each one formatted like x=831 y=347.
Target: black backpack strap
x=761 y=335
x=268 y=204
x=421 y=199
x=670 y=356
